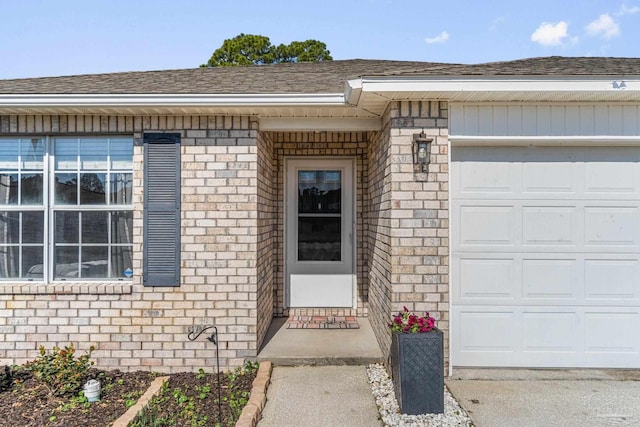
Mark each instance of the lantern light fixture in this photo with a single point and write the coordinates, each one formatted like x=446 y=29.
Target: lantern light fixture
x=421 y=151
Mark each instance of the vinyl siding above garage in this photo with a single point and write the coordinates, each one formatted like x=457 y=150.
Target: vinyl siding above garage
x=535 y=120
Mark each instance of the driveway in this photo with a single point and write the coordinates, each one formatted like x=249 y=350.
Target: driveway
x=607 y=398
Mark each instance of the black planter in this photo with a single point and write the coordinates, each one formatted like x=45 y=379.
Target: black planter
x=417 y=362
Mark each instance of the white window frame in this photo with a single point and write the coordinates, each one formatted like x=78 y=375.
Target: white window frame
x=50 y=208
x=20 y=208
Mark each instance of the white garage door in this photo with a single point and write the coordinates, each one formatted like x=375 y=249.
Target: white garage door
x=545 y=262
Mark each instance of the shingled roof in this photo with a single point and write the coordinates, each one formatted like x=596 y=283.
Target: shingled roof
x=312 y=78
x=309 y=77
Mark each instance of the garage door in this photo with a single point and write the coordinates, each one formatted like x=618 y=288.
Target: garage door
x=545 y=264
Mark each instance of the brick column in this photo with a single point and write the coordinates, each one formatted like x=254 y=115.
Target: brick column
x=410 y=219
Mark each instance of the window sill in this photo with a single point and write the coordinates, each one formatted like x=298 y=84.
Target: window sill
x=67 y=288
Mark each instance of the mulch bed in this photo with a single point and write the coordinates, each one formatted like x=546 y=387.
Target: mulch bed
x=189 y=400
x=29 y=403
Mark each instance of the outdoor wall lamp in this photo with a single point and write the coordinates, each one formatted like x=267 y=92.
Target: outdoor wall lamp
x=421 y=151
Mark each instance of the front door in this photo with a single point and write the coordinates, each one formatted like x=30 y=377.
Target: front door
x=319 y=233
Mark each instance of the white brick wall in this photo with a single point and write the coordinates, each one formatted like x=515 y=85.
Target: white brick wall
x=134 y=326
x=409 y=219
x=233 y=241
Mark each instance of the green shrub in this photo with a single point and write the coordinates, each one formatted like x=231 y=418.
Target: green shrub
x=60 y=370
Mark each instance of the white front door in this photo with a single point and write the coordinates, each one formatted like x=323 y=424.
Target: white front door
x=319 y=233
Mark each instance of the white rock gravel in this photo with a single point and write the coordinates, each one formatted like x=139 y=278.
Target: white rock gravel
x=382 y=389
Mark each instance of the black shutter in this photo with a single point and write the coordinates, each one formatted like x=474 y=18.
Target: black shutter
x=161 y=209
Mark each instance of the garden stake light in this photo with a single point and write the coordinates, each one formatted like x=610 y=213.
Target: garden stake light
x=214 y=339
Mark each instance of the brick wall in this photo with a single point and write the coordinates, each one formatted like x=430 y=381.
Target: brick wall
x=267 y=234
x=233 y=241
x=409 y=218
x=134 y=326
x=378 y=234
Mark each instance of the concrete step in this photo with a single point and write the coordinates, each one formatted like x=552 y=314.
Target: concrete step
x=320 y=347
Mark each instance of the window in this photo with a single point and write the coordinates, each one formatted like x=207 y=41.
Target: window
x=66 y=210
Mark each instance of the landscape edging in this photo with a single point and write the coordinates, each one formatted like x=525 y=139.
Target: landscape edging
x=131 y=413
x=253 y=410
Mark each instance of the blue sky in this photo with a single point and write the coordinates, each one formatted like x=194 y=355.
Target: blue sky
x=64 y=37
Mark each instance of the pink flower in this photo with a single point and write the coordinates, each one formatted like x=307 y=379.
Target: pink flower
x=406 y=322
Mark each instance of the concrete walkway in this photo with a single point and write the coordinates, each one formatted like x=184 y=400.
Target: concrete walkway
x=543 y=403
x=319 y=396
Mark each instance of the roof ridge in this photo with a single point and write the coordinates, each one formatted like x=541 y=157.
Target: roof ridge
x=236 y=67
x=306 y=77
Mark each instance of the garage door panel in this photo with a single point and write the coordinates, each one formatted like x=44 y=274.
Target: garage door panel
x=549 y=279
x=542 y=336
x=607 y=280
x=549 y=225
x=553 y=226
x=487 y=279
x=611 y=332
x=611 y=226
x=549 y=177
x=608 y=177
x=498 y=179
x=539 y=336
x=487 y=225
x=545 y=256
x=531 y=279
x=491 y=331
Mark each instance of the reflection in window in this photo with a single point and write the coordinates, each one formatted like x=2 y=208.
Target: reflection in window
x=66 y=188
x=9 y=189
x=319 y=239
x=93 y=188
x=20 y=162
x=89 y=208
x=21 y=244
x=319 y=215
x=31 y=191
x=319 y=191
x=87 y=243
x=94 y=172
x=22 y=197
x=121 y=188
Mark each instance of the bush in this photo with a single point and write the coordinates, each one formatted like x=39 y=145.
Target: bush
x=60 y=370
x=6 y=379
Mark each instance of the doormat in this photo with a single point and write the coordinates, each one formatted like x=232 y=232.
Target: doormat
x=322 y=322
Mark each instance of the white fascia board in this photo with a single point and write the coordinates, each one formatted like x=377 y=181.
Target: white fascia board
x=551 y=140
x=352 y=91
x=320 y=124
x=497 y=84
x=182 y=100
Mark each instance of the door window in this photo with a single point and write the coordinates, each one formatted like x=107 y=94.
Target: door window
x=319 y=215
